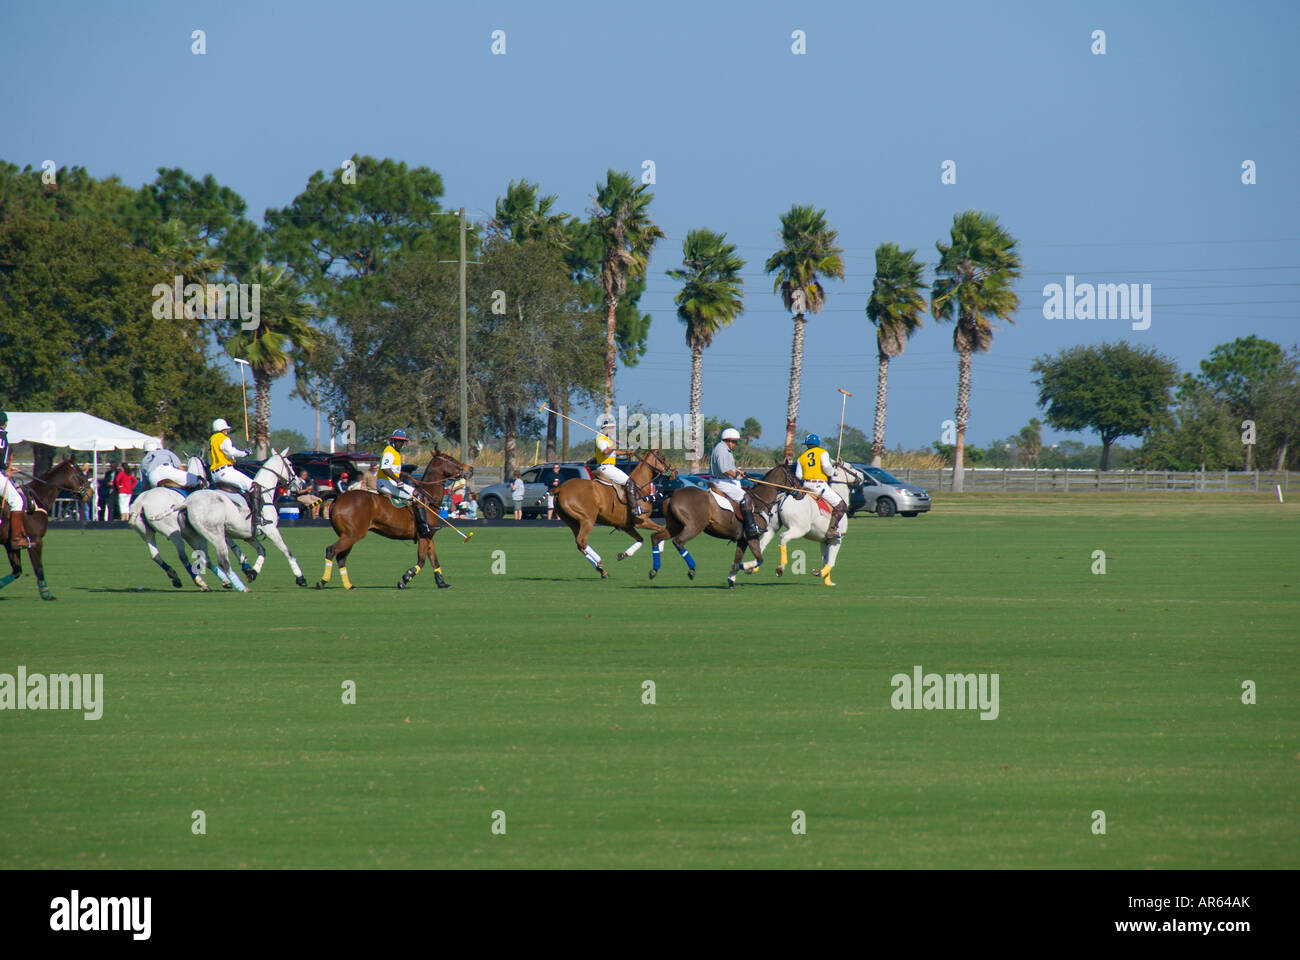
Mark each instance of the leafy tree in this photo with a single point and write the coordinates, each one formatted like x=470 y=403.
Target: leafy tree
x=751 y=430
x=1030 y=440
x=972 y=286
x=288 y=438
x=77 y=332
x=1279 y=406
x=1200 y=435
x=524 y=216
x=1237 y=373
x=1115 y=389
x=809 y=251
x=712 y=297
x=895 y=309
x=621 y=223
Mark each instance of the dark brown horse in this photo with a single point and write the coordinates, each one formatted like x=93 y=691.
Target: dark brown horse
x=583 y=503
x=357 y=512
x=691 y=511
x=40 y=495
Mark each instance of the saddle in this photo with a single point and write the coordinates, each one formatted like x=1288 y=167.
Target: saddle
x=725 y=501
x=620 y=491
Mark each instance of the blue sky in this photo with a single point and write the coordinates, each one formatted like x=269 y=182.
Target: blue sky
x=1120 y=168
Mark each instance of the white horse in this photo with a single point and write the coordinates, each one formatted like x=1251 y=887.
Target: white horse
x=159 y=510
x=217 y=515
x=804 y=518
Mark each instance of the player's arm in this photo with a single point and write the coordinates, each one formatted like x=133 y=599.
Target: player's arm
x=232 y=451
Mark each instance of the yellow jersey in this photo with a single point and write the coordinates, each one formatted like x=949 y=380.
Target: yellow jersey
x=606 y=452
x=216 y=456
x=811 y=461
x=391 y=463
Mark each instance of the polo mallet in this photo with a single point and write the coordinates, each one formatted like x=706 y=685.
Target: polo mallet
x=423 y=498
x=781 y=486
x=843 y=400
x=545 y=409
x=242 y=364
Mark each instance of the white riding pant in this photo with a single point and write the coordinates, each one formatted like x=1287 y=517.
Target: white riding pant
x=826 y=490
x=730 y=486
x=233 y=477
x=164 y=472
x=399 y=491
x=612 y=473
x=11 y=494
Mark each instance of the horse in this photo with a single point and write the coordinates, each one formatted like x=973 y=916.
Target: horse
x=584 y=503
x=216 y=516
x=161 y=510
x=810 y=517
x=691 y=511
x=41 y=494
x=357 y=512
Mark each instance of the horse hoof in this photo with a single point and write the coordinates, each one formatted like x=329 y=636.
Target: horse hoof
x=251 y=574
x=690 y=574
x=49 y=596
x=443 y=585
x=401 y=584
x=301 y=581
x=349 y=588
x=620 y=556
x=604 y=574
x=817 y=572
x=227 y=585
x=176 y=582
x=731 y=584
x=780 y=571
x=652 y=573
x=320 y=584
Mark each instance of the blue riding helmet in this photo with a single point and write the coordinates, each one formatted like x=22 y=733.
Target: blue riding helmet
x=812 y=440
x=399 y=435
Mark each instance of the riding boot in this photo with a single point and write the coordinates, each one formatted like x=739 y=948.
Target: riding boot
x=633 y=499
x=254 y=498
x=751 y=528
x=837 y=512
x=17 y=536
x=422 y=529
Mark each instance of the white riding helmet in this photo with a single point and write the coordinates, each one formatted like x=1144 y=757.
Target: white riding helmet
x=219 y=425
x=608 y=424
x=731 y=433
x=152 y=444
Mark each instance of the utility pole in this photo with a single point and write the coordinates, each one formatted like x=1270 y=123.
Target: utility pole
x=464 y=386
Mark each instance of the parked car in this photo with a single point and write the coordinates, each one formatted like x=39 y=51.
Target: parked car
x=495 y=500
x=884 y=494
x=325 y=471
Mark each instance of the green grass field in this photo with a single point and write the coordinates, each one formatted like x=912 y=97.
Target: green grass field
x=522 y=692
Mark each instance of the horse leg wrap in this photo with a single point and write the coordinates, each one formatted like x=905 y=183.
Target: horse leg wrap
x=686 y=555
x=591 y=555
x=784 y=556
x=7 y=579
x=658 y=552
x=632 y=549
x=329 y=571
x=749 y=566
x=343 y=575
x=437 y=578
x=826 y=576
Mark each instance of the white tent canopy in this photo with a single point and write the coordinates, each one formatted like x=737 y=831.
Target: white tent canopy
x=77 y=431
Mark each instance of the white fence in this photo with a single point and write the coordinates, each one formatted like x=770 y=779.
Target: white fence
x=1062 y=481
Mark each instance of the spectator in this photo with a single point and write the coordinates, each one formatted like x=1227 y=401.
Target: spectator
x=88 y=506
x=308 y=499
x=124 y=482
x=343 y=482
x=468 y=508
x=553 y=480
x=370 y=479
x=108 y=494
x=517 y=495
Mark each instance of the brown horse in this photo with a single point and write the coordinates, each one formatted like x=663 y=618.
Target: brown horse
x=40 y=495
x=583 y=503
x=357 y=512
x=691 y=511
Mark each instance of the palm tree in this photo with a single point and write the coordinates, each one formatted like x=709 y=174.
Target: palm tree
x=895 y=308
x=525 y=216
x=973 y=285
x=184 y=252
x=627 y=235
x=284 y=327
x=807 y=251
x=712 y=296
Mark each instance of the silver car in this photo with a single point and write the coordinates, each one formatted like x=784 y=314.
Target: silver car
x=495 y=501
x=883 y=494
